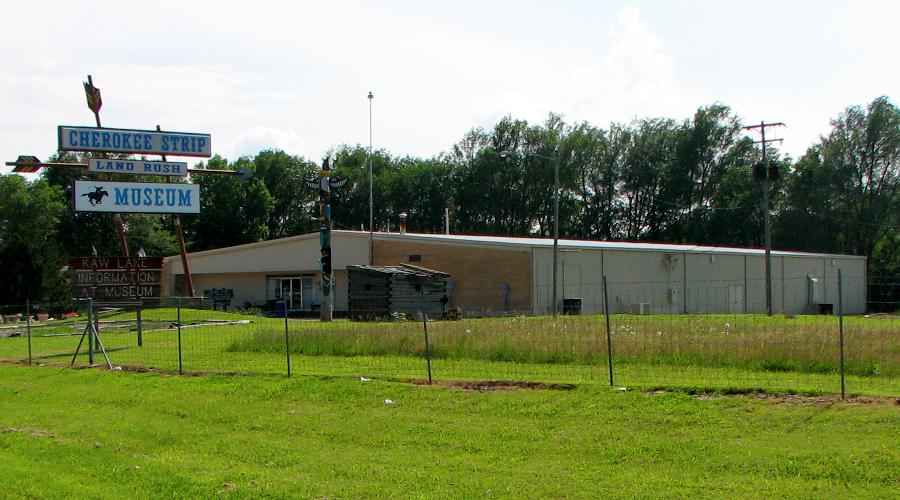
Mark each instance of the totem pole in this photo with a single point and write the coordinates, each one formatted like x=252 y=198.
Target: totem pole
x=325 y=183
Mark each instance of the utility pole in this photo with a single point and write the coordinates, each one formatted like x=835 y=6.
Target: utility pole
x=766 y=174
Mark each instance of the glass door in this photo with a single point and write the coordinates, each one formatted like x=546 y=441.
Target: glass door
x=292 y=293
x=298 y=292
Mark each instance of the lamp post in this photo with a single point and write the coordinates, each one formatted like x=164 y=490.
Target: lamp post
x=371 y=209
x=555 y=160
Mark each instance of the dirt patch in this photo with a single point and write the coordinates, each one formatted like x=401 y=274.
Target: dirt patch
x=495 y=385
x=823 y=399
x=35 y=433
x=827 y=399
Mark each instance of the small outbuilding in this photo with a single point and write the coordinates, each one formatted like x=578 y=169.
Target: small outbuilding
x=381 y=291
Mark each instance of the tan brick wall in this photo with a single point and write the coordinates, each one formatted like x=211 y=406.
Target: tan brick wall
x=478 y=273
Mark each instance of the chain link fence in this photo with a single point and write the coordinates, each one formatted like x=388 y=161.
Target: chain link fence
x=621 y=346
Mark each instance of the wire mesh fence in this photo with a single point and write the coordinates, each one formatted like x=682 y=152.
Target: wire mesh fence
x=821 y=353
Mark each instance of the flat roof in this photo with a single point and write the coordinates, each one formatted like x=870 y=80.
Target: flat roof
x=520 y=242
x=568 y=244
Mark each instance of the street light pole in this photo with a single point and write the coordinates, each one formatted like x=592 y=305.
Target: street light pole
x=555 y=159
x=555 y=229
x=371 y=209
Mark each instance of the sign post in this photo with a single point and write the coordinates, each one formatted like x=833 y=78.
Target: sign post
x=176 y=221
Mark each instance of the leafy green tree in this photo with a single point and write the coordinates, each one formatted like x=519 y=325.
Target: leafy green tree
x=284 y=177
x=845 y=194
x=29 y=256
x=233 y=211
x=599 y=157
x=645 y=212
x=422 y=189
x=350 y=203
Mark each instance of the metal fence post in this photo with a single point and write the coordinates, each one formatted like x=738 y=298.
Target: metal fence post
x=28 y=327
x=427 y=346
x=92 y=325
x=140 y=325
x=96 y=331
x=841 y=329
x=287 y=340
x=178 y=309
x=608 y=335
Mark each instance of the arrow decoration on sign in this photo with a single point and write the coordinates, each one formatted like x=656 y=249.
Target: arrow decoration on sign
x=92 y=94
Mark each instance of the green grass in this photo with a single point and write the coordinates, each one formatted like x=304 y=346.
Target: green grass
x=714 y=351
x=100 y=434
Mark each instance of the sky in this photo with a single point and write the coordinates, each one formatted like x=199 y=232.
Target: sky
x=295 y=75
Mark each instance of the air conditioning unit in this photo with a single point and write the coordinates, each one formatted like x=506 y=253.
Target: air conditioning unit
x=640 y=308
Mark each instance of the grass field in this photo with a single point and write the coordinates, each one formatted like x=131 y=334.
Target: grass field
x=102 y=434
x=722 y=352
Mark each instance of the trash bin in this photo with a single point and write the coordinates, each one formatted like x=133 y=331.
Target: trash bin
x=572 y=306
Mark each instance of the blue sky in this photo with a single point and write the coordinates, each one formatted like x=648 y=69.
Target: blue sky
x=294 y=75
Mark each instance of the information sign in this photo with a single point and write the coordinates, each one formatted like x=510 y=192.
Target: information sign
x=117 y=277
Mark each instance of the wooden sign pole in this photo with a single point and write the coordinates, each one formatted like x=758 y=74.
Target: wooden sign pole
x=176 y=220
x=120 y=226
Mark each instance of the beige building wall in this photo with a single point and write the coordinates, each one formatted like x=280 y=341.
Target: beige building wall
x=485 y=279
x=245 y=268
x=507 y=274
x=715 y=283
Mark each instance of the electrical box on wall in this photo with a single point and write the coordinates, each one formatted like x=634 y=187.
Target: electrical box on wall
x=673 y=295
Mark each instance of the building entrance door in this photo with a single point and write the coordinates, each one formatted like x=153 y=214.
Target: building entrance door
x=292 y=292
x=735 y=299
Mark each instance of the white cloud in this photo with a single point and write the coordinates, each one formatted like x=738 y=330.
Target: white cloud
x=261 y=137
x=636 y=77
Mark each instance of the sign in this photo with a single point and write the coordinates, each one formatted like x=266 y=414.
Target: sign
x=114 y=140
x=118 y=291
x=139 y=167
x=136 y=197
x=117 y=277
x=95 y=278
x=116 y=263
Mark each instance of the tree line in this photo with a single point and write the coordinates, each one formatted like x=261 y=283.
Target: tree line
x=654 y=179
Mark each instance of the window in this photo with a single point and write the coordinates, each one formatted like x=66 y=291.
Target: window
x=415 y=258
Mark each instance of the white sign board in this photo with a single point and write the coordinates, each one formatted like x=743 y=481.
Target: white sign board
x=136 y=197
x=114 y=140
x=139 y=167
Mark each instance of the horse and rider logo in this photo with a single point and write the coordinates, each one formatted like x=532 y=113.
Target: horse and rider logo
x=96 y=197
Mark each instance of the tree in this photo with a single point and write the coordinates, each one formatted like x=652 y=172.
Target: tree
x=226 y=201
x=350 y=206
x=599 y=157
x=845 y=196
x=29 y=256
x=651 y=152
x=284 y=177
